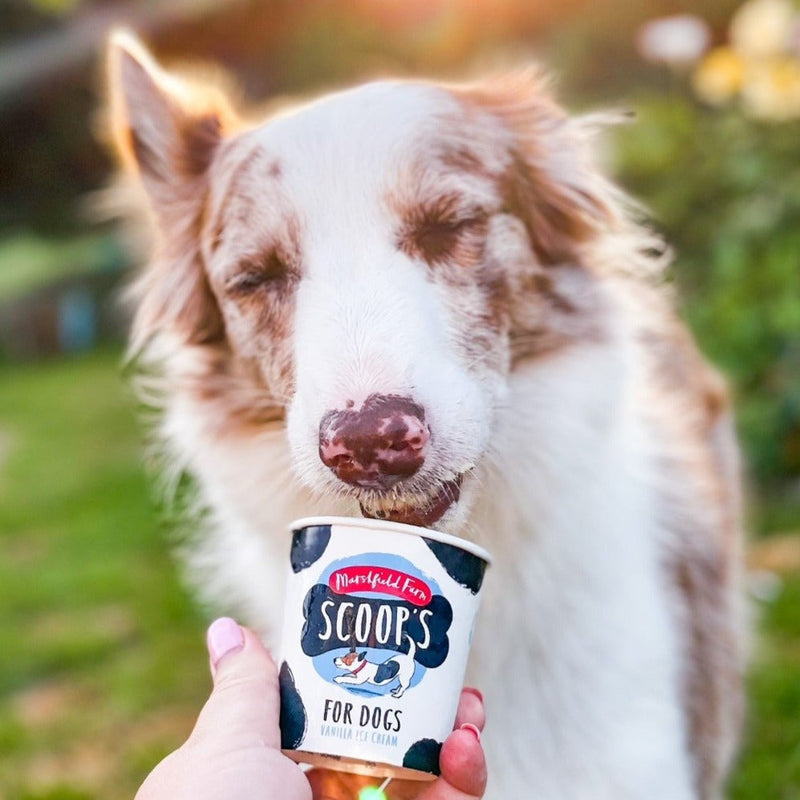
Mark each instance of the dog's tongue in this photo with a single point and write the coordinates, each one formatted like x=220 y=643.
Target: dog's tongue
x=423 y=517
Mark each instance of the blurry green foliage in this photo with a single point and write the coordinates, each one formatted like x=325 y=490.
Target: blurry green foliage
x=770 y=765
x=28 y=262
x=55 y=6
x=726 y=193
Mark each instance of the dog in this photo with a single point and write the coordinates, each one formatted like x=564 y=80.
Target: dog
x=399 y=667
x=424 y=302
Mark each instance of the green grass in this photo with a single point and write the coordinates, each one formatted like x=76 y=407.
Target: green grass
x=103 y=666
x=770 y=767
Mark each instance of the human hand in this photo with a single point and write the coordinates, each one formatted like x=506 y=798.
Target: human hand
x=233 y=753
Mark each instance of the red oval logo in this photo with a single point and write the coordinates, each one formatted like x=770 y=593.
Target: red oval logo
x=380 y=580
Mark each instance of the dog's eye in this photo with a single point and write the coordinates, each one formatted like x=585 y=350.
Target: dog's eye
x=439 y=239
x=254 y=276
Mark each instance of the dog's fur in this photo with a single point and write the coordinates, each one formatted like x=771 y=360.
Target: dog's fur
x=455 y=244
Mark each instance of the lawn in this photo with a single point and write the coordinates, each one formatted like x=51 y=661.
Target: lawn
x=103 y=665
x=103 y=661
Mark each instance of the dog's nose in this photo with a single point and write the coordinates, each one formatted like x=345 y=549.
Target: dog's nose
x=379 y=445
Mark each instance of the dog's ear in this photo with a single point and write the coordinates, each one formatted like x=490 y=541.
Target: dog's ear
x=167 y=131
x=362 y=656
x=163 y=126
x=551 y=183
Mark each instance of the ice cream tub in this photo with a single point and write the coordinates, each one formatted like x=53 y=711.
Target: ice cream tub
x=377 y=626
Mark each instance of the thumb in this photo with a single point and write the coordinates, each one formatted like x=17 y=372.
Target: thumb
x=244 y=703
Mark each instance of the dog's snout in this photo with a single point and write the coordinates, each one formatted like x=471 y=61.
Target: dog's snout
x=376 y=446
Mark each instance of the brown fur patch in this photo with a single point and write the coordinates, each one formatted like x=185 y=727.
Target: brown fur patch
x=459 y=157
x=554 y=228
x=437 y=240
x=438 y=226
x=713 y=681
x=235 y=398
x=215 y=226
x=560 y=211
x=254 y=269
x=174 y=296
x=556 y=308
x=257 y=299
x=699 y=507
x=201 y=137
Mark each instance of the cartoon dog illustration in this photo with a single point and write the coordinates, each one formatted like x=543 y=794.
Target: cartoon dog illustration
x=400 y=667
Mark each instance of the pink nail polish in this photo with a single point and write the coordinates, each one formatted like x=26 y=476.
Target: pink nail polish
x=468 y=726
x=224 y=636
x=472 y=690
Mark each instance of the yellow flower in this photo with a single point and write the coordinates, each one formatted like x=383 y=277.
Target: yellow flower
x=761 y=28
x=772 y=89
x=719 y=76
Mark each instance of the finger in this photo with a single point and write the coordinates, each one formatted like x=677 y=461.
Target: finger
x=470 y=709
x=244 y=704
x=463 y=767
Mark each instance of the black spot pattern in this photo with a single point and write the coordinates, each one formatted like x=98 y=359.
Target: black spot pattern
x=464 y=568
x=424 y=756
x=308 y=544
x=294 y=719
x=387 y=671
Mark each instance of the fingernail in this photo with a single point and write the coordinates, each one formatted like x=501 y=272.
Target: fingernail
x=474 y=691
x=224 y=636
x=468 y=726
